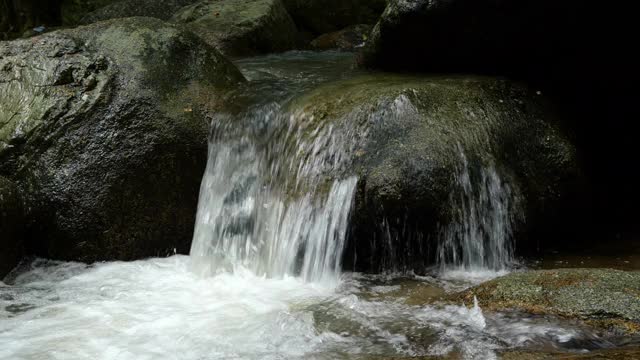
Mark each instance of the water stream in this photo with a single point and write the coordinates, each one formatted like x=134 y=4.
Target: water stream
x=263 y=280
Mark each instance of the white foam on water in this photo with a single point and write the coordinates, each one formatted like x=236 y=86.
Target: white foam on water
x=160 y=309
x=156 y=309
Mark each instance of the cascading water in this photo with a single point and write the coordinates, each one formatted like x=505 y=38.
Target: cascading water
x=480 y=234
x=270 y=206
x=274 y=201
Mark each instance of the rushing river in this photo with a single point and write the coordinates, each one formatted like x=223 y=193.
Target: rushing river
x=263 y=280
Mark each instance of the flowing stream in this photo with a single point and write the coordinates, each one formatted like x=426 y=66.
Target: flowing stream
x=263 y=280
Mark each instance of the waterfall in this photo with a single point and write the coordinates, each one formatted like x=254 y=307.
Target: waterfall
x=273 y=206
x=480 y=233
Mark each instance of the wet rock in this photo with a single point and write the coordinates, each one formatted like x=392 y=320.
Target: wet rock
x=350 y=38
x=104 y=129
x=11 y=226
x=322 y=16
x=241 y=27
x=409 y=138
x=161 y=9
x=602 y=297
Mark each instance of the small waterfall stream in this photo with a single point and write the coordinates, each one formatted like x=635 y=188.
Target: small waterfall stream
x=480 y=234
x=271 y=206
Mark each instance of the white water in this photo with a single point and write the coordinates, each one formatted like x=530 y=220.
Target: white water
x=159 y=309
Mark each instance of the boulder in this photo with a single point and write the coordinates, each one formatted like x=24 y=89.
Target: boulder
x=11 y=226
x=603 y=297
x=322 y=16
x=414 y=140
x=348 y=39
x=161 y=9
x=104 y=129
x=241 y=27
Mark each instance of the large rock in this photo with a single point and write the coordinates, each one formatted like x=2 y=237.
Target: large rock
x=322 y=16
x=104 y=129
x=161 y=9
x=603 y=297
x=413 y=141
x=11 y=226
x=241 y=27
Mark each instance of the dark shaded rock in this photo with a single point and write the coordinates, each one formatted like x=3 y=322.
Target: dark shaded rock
x=18 y=17
x=552 y=45
x=72 y=11
x=322 y=16
x=406 y=135
x=104 y=129
x=602 y=297
x=161 y=9
x=11 y=226
x=241 y=27
x=350 y=38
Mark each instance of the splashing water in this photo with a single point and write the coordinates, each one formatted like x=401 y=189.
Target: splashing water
x=478 y=242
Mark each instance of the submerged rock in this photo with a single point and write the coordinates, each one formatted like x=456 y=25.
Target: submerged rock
x=350 y=38
x=161 y=9
x=11 y=226
x=413 y=140
x=241 y=27
x=322 y=16
x=603 y=297
x=104 y=128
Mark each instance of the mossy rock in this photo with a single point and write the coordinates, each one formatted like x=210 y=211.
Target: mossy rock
x=602 y=297
x=11 y=226
x=241 y=27
x=403 y=136
x=104 y=129
x=160 y=9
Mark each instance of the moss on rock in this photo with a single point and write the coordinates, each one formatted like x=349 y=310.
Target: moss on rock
x=601 y=297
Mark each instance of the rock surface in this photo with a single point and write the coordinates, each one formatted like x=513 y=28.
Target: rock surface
x=407 y=135
x=103 y=128
x=11 y=226
x=603 y=297
x=325 y=16
x=241 y=27
x=350 y=38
